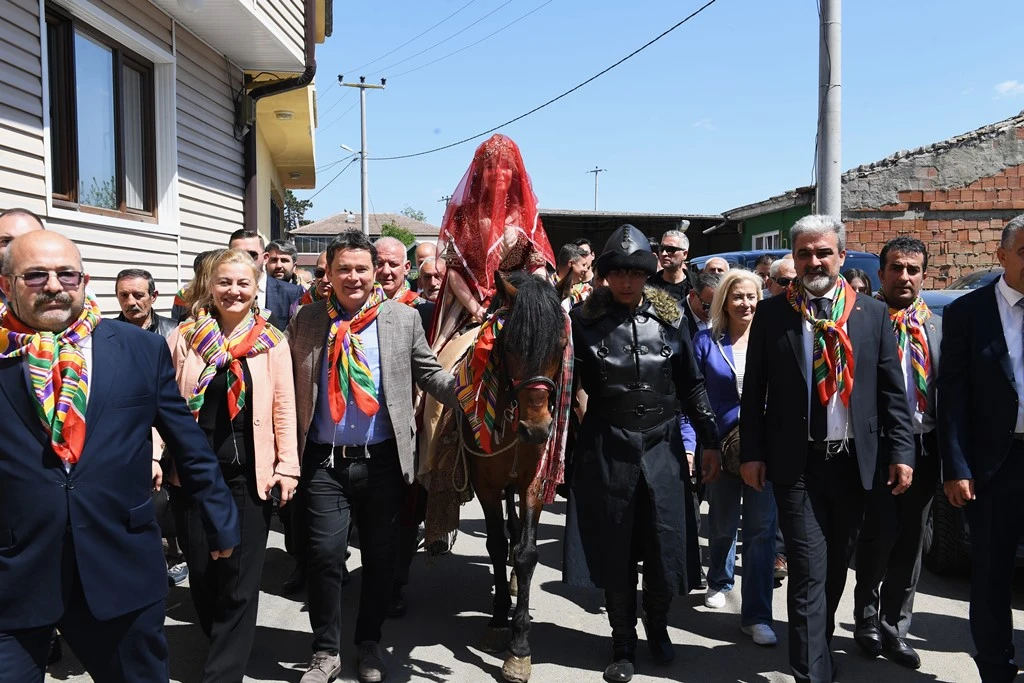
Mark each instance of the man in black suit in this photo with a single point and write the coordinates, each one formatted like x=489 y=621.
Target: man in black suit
x=889 y=549
x=79 y=543
x=816 y=435
x=275 y=295
x=981 y=385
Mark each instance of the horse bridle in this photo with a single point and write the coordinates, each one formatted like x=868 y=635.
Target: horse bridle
x=536 y=382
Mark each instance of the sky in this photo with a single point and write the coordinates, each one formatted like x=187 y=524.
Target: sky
x=719 y=113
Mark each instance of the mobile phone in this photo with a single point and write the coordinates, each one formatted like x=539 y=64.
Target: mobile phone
x=275 y=494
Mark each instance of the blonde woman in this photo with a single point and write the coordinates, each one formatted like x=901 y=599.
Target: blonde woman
x=720 y=352
x=235 y=371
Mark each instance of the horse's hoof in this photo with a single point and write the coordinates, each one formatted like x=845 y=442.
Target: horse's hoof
x=495 y=640
x=517 y=669
x=513 y=585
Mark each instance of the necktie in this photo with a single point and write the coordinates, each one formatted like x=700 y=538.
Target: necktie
x=818 y=428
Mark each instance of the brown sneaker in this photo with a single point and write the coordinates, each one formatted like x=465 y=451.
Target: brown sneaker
x=781 y=567
x=371 y=663
x=323 y=668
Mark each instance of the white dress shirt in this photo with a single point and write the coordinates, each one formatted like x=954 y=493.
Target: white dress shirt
x=1012 y=318
x=701 y=324
x=838 y=415
x=261 y=290
x=922 y=423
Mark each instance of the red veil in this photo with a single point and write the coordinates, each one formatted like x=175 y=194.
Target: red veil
x=469 y=242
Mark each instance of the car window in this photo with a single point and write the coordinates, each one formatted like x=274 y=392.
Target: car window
x=976 y=280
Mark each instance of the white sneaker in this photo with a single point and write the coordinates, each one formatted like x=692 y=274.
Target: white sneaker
x=714 y=599
x=761 y=633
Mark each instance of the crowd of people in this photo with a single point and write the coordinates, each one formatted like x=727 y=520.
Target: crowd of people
x=811 y=414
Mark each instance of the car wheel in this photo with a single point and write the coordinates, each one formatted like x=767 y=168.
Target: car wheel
x=946 y=546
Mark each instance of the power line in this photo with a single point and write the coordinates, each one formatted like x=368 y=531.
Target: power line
x=419 y=35
x=489 y=35
x=336 y=103
x=339 y=117
x=554 y=99
x=352 y=161
x=403 y=61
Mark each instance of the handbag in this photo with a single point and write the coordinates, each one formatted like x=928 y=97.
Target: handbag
x=731 y=440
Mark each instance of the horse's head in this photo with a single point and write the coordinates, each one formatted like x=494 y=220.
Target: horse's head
x=531 y=346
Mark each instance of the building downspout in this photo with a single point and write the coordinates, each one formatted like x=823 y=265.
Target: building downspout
x=250 y=198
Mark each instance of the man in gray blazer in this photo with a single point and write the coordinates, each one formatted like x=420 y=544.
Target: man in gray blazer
x=356 y=355
x=889 y=549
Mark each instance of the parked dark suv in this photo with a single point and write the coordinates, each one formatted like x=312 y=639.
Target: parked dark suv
x=746 y=259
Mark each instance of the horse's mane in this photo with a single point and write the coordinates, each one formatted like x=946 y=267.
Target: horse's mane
x=535 y=327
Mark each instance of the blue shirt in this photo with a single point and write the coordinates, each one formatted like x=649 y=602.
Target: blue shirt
x=356 y=427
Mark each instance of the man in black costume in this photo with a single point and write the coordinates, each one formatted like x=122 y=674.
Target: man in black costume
x=631 y=497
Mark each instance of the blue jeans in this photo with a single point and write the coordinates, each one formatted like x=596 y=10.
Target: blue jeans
x=759 y=523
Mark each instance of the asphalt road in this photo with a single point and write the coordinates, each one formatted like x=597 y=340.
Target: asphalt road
x=449 y=601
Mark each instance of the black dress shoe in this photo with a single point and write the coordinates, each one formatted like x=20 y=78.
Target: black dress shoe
x=868 y=638
x=897 y=650
x=296 y=582
x=619 y=671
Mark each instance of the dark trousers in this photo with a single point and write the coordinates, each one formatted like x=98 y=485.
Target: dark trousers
x=996 y=520
x=368 y=491
x=819 y=515
x=130 y=648
x=226 y=592
x=414 y=511
x=889 y=548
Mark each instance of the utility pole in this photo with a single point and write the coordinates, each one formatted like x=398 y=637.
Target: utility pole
x=829 y=193
x=447 y=198
x=597 y=171
x=363 y=86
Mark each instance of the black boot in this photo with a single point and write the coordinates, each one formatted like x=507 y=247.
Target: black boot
x=622 y=618
x=656 y=606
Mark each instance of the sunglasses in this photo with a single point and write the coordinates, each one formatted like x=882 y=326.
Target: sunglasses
x=669 y=250
x=319 y=273
x=783 y=281
x=254 y=254
x=39 y=278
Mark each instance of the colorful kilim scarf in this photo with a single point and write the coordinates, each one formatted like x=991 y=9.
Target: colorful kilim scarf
x=406 y=296
x=476 y=382
x=251 y=338
x=580 y=292
x=909 y=323
x=60 y=379
x=348 y=369
x=832 y=351
x=310 y=296
x=179 y=297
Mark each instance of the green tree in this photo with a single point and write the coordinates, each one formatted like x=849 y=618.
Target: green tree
x=295 y=210
x=398 y=232
x=414 y=214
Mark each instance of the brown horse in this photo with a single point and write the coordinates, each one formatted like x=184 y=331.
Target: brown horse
x=529 y=349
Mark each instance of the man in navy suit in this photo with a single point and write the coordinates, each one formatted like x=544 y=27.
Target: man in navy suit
x=981 y=440
x=276 y=295
x=79 y=543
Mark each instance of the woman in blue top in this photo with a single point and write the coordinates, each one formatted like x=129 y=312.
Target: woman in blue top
x=721 y=353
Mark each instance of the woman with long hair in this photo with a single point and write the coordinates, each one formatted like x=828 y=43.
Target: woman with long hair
x=491 y=225
x=859 y=280
x=235 y=371
x=721 y=352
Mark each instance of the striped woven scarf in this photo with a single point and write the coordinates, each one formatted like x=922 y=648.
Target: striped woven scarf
x=311 y=295
x=476 y=382
x=349 y=370
x=579 y=293
x=832 y=351
x=203 y=335
x=60 y=378
x=179 y=297
x=406 y=296
x=908 y=323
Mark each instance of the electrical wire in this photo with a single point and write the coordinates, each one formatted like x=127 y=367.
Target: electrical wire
x=403 y=61
x=554 y=99
x=336 y=102
x=333 y=179
x=419 y=35
x=339 y=117
x=489 y=35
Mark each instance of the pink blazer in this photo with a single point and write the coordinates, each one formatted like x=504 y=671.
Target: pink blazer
x=273 y=408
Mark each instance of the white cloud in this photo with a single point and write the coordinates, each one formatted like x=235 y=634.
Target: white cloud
x=1009 y=88
x=706 y=124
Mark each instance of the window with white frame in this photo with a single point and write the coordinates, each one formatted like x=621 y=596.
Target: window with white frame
x=767 y=240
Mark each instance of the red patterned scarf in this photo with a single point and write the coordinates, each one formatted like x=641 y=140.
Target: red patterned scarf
x=60 y=378
x=406 y=296
x=349 y=371
x=908 y=324
x=832 y=352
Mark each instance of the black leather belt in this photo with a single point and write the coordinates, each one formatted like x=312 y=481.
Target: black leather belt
x=322 y=453
x=637 y=410
x=831 y=447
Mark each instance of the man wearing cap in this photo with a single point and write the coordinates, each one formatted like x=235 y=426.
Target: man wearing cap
x=631 y=498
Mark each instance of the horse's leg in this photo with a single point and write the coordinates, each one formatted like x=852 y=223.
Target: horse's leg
x=518 y=666
x=496 y=638
x=512 y=524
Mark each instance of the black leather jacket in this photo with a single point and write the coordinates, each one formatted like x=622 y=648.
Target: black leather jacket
x=637 y=367
x=157 y=324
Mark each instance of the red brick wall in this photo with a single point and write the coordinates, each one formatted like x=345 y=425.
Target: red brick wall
x=960 y=226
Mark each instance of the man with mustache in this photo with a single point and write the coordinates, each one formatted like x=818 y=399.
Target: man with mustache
x=431 y=275
x=823 y=384
x=79 y=544
x=136 y=293
x=281 y=257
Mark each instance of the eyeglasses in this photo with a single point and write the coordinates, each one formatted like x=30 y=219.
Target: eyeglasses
x=783 y=281
x=669 y=250
x=318 y=273
x=705 y=306
x=39 y=278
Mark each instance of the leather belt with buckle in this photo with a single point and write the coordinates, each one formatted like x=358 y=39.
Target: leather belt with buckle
x=639 y=409
x=339 y=453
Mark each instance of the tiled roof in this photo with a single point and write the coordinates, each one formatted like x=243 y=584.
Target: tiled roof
x=347 y=220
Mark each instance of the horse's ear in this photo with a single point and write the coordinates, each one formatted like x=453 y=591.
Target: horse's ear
x=507 y=289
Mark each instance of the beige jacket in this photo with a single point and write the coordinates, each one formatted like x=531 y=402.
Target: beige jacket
x=273 y=407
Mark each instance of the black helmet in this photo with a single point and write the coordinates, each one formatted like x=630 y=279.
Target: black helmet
x=627 y=249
